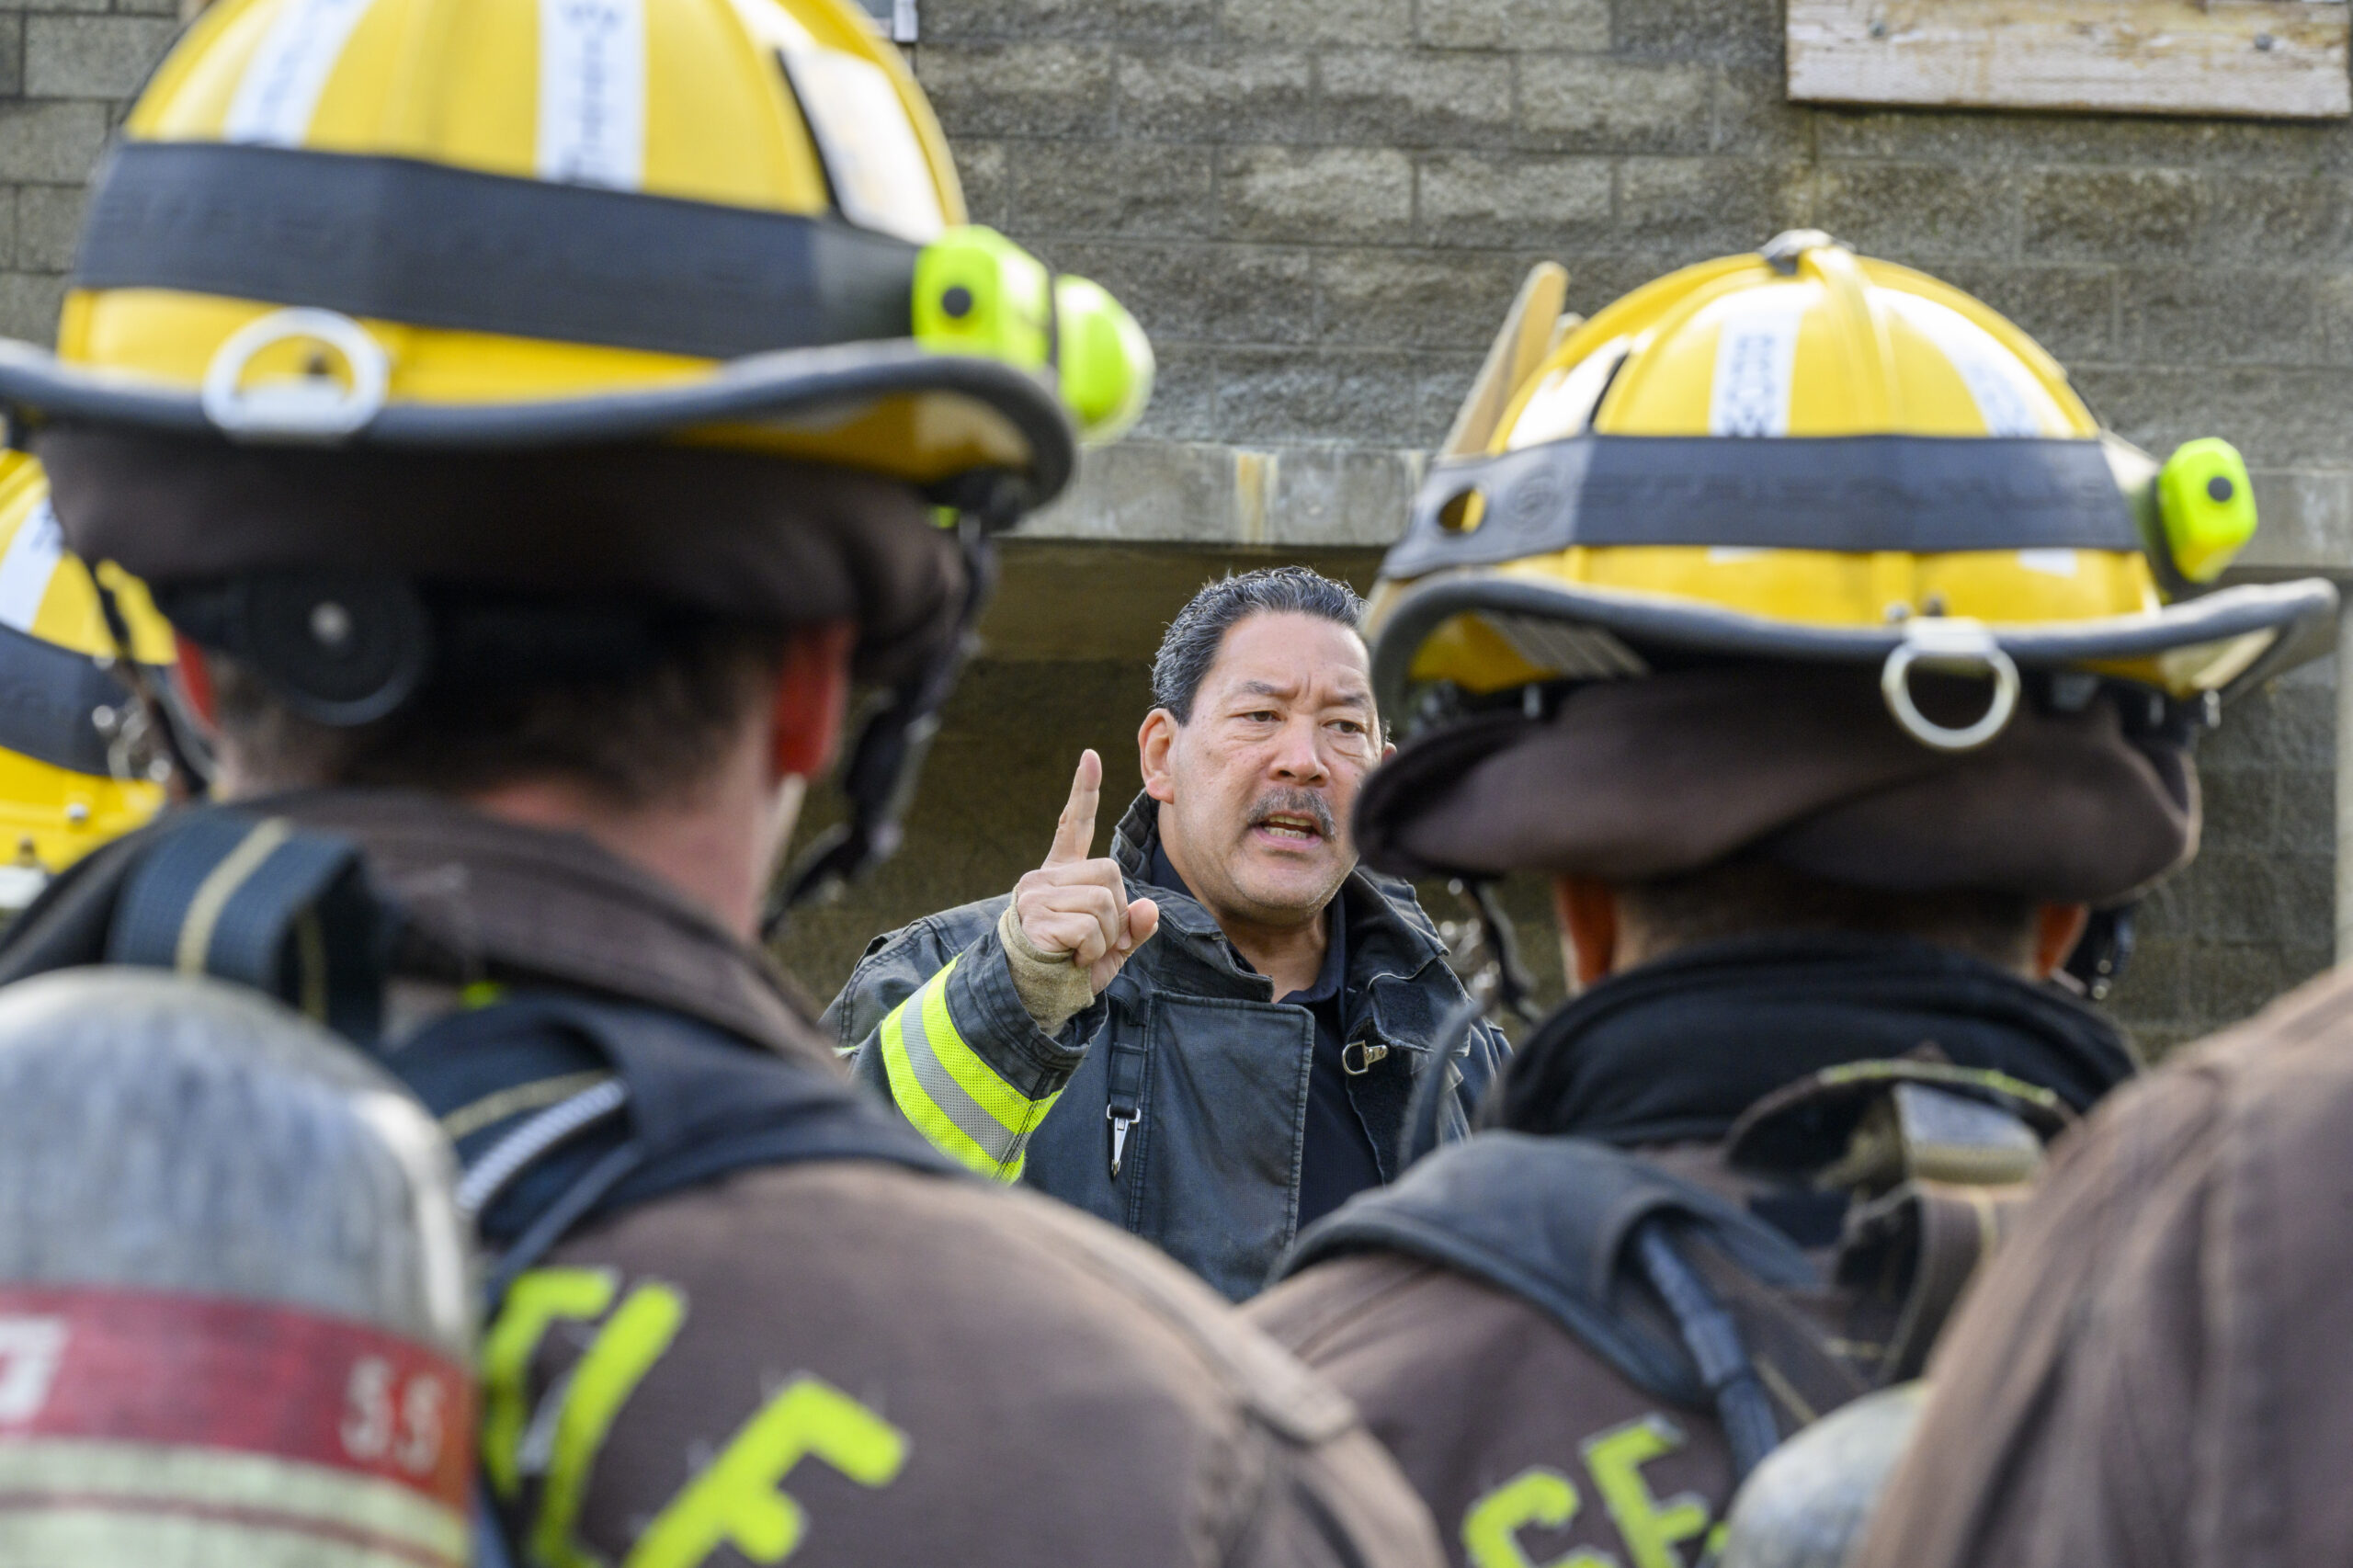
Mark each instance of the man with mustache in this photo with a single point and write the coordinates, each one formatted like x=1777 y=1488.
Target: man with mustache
x=1211 y=1035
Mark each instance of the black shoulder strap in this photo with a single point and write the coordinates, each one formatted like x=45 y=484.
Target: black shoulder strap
x=1550 y=1220
x=561 y=1106
x=564 y=1108
x=235 y=894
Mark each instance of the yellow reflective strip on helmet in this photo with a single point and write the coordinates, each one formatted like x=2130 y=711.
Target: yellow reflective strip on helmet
x=953 y=1098
x=735 y=1500
x=533 y=1304
x=638 y=1336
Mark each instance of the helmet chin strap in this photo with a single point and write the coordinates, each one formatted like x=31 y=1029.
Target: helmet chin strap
x=886 y=763
x=177 y=734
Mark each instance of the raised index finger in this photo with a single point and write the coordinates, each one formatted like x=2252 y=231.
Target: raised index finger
x=1074 y=832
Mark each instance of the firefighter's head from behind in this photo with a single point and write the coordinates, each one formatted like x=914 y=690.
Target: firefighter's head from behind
x=81 y=759
x=652 y=385
x=1262 y=728
x=1796 y=591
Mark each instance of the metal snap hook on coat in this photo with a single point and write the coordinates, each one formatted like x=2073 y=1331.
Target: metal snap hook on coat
x=315 y=407
x=1953 y=647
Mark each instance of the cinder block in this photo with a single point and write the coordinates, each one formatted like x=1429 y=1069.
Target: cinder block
x=1018 y=89
x=1753 y=117
x=1688 y=209
x=12 y=55
x=1917 y=213
x=56 y=143
x=1184 y=397
x=2027 y=140
x=1515 y=24
x=986 y=173
x=968 y=21
x=1375 y=399
x=1415 y=99
x=2275 y=220
x=92 y=57
x=2280 y=419
x=48 y=222
x=1296 y=22
x=1135 y=188
x=1594 y=103
x=1382 y=299
x=28 y=305
x=1472 y=198
x=1317 y=195
x=1216 y=95
x=2242 y=806
x=2112 y=214
x=171 y=8
x=2071 y=311
x=1734 y=31
x=1204 y=293
x=2307 y=520
x=2180 y=316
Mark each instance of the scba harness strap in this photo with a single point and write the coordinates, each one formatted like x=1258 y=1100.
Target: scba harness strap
x=563 y=1107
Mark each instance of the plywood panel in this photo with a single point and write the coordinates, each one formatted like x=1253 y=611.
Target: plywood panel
x=2271 y=58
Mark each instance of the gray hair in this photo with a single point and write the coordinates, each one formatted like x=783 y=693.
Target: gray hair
x=1198 y=631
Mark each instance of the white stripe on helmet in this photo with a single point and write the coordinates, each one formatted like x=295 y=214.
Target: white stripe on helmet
x=1757 y=359
x=27 y=568
x=592 y=92
x=280 y=91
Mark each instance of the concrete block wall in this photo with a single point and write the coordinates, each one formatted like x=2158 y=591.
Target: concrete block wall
x=1319 y=207
x=1320 y=211
x=67 y=70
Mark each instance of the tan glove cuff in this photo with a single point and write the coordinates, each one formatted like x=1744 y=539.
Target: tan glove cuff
x=1050 y=986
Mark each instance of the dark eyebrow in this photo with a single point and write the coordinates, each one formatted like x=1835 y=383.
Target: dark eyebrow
x=1264 y=688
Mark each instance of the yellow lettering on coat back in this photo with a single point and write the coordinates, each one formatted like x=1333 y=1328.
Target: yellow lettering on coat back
x=736 y=1502
x=1535 y=1496
x=1652 y=1529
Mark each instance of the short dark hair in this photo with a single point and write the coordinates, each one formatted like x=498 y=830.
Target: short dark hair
x=1198 y=631
x=634 y=736
x=1749 y=896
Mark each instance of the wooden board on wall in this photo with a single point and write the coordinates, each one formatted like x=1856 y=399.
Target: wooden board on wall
x=2283 y=59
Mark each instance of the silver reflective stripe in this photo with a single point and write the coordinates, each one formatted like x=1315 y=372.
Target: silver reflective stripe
x=923 y=1058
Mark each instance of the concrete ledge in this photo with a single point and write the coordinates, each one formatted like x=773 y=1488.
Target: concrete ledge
x=1235 y=497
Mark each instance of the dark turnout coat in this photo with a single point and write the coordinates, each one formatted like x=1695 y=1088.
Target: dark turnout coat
x=1216 y=1069
x=1477 y=1312
x=2155 y=1371
x=841 y=1358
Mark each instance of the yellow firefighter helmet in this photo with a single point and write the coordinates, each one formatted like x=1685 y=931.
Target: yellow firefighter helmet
x=1804 y=454
x=76 y=764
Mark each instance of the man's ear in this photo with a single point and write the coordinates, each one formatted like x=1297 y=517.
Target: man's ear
x=2057 y=929
x=1153 y=741
x=811 y=695
x=1587 y=908
x=195 y=678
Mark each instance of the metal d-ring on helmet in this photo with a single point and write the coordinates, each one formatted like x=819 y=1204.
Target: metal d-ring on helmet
x=1810 y=456
x=385 y=306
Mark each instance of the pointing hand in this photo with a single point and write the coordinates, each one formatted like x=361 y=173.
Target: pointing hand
x=1076 y=906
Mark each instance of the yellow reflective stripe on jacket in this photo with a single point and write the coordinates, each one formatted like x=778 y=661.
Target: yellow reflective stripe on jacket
x=953 y=1096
